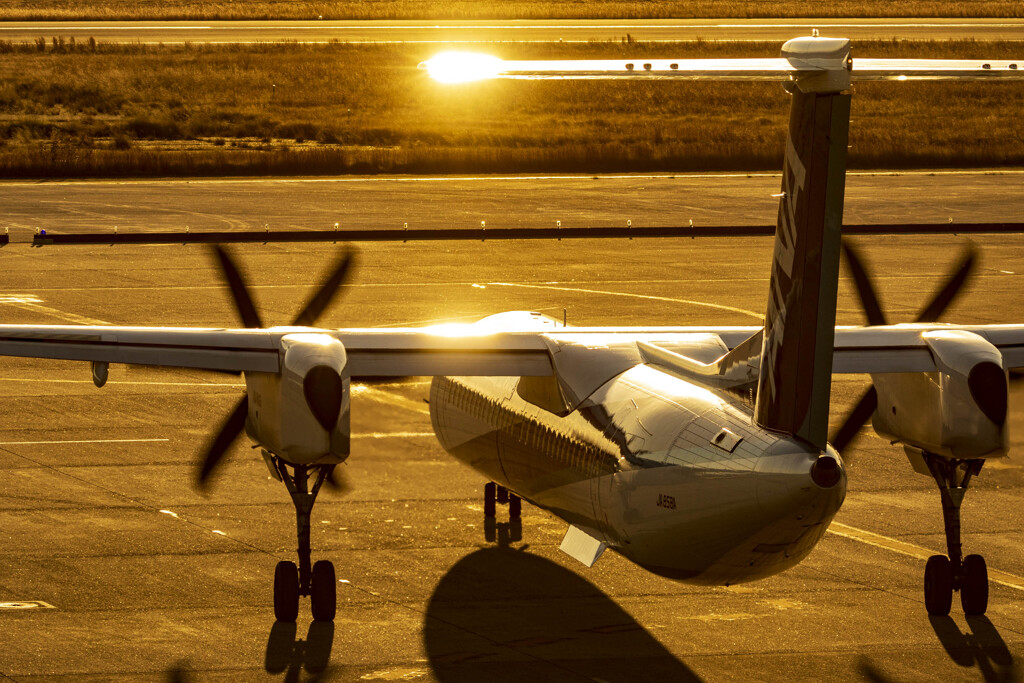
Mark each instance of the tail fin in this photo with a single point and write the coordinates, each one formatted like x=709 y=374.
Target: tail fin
x=796 y=358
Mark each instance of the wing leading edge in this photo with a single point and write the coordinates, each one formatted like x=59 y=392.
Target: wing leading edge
x=404 y=352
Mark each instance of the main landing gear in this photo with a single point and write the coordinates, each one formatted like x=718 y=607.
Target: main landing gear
x=512 y=532
x=944 y=574
x=318 y=581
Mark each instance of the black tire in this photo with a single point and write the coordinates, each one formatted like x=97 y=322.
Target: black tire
x=938 y=585
x=502 y=495
x=490 y=496
x=323 y=591
x=286 y=591
x=974 y=592
x=515 y=506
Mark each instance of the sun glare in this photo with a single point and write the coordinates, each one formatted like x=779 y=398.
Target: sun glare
x=462 y=67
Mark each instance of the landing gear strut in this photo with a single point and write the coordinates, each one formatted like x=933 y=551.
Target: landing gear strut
x=316 y=581
x=511 y=532
x=947 y=573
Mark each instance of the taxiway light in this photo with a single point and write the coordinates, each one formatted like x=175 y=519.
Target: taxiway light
x=461 y=67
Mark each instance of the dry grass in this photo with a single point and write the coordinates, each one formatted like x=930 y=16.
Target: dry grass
x=339 y=108
x=483 y=9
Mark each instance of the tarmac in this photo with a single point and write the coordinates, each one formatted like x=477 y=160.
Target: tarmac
x=113 y=566
x=316 y=30
x=139 y=577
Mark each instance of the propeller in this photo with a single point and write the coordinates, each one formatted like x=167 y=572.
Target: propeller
x=321 y=299
x=940 y=301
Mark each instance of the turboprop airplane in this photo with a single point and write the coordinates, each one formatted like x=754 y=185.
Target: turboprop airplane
x=700 y=454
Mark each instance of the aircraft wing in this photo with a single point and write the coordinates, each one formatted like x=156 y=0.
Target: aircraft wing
x=397 y=352
x=444 y=351
x=902 y=348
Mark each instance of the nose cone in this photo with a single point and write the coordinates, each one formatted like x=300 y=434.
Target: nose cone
x=797 y=481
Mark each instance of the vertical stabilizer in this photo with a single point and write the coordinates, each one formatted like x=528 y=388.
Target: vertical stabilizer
x=796 y=359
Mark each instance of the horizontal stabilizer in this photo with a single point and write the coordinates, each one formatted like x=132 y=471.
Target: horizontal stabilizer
x=816 y=64
x=936 y=69
x=861 y=69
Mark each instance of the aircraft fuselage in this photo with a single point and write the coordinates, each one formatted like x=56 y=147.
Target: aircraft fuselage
x=672 y=475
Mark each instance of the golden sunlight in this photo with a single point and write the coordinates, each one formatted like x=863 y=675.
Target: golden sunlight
x=462 y=67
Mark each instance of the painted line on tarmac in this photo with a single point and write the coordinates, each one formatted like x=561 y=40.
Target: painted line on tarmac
x=388 y=398
x=393 y=435
x=720 y=307
x=38 y=443
x=26 y=604
x=915 y=551
x=35 y=304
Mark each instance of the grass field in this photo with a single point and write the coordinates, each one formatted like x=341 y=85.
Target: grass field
x=493 y=9
x=68 y=111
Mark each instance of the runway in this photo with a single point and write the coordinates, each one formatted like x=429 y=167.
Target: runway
x=464 y=202
x=410 y=31
x=132 y=574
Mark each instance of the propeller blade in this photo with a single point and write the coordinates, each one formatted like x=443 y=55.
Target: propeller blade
x=239 y=292
x=944 y=297
x=315 y=307
x=865 y=290
x=855 y=420
x=229 y=431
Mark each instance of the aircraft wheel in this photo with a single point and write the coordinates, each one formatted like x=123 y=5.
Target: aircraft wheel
x=515 y=506
x=974 y=592
x=286 y=591
x=938 y=585
x=323 y=591
x=490 y=498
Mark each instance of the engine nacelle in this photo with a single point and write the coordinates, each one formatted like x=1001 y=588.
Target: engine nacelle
x=302 y=413
x=959 y=410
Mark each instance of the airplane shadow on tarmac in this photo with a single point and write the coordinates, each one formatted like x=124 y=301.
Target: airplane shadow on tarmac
x=501 y=614
x=287 y=655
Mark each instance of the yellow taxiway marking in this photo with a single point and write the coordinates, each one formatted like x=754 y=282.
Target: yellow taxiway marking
x=389 y=398
x=34 y=443
x=721 y=307
x=911 y=550
x=26 y=604
x=32 y=303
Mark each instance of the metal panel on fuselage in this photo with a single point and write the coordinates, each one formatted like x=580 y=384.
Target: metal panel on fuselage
x=636 y=466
